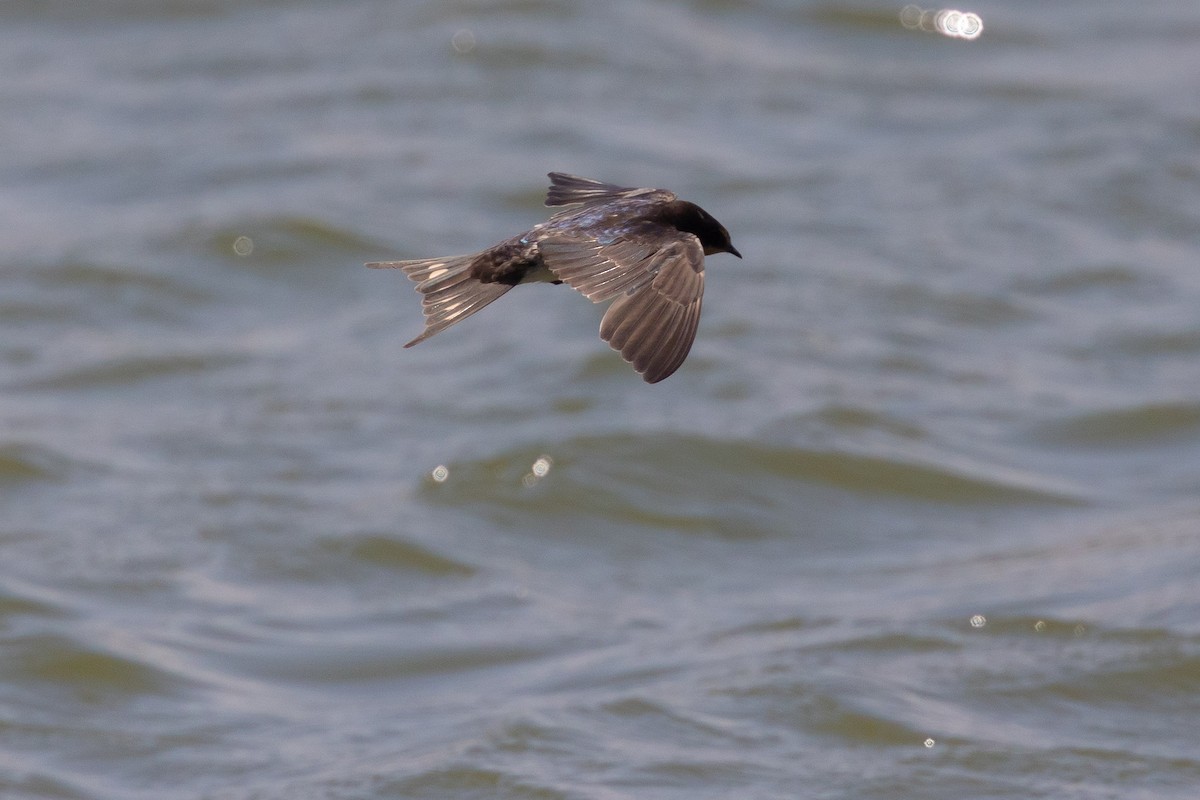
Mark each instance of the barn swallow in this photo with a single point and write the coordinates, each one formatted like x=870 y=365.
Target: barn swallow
x=642 y=248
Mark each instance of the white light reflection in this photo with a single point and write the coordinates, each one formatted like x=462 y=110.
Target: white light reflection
x=243 y=246
x=947 y=21
x=539 y=470
x=930 y=742
x=440 y=473
x=978 y=621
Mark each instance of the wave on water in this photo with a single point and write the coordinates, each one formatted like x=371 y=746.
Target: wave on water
x=289 y=241
x=20 y=462
x=1148 y=425
x=734 y=487
x=129 y=369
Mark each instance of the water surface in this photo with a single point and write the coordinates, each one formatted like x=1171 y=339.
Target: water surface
x=917 y=518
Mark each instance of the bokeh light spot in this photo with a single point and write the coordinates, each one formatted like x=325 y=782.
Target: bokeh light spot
x=463 y=41
x=539 y=470
x=947 y=21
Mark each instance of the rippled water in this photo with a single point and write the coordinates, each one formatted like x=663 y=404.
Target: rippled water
x=918 y=517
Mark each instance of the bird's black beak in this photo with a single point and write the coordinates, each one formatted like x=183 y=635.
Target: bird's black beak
x=734 y=251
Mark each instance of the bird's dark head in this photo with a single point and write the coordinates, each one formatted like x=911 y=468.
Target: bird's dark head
x=712 y=234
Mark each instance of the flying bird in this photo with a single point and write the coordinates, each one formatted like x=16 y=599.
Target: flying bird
x=643 y=249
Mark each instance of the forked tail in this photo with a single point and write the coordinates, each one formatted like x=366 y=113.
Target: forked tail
x=449 y=293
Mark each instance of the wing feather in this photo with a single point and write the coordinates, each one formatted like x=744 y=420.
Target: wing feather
x=652 y=323
x=598 y=271
x=568 y=189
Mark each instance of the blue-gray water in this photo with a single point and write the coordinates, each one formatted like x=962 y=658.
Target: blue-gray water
x=918 y=518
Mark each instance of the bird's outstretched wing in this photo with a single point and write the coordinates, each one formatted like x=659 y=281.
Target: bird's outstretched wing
x=569 y=189
x=658 y=283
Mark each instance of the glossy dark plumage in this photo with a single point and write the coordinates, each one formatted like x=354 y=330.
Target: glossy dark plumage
x=642 y=248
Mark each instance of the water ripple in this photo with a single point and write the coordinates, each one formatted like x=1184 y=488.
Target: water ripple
x=89 y=671
x=681 y=480
x=402 y=556
x=21 y=462
x=132 y=369
x=1138 y=426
